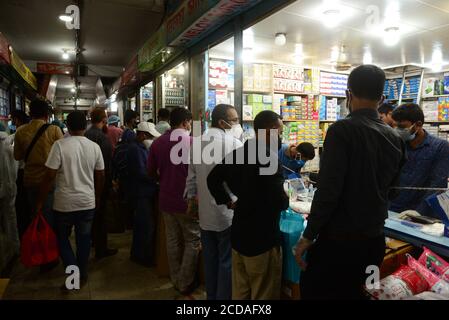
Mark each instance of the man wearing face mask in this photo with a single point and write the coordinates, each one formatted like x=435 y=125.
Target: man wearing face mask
x=96 y=134
x=215 y=220
x=293 y=158
x=182 y=230
x=255 y=234
x=361 y=161
x=129 y=135
x=143 y=190
x=427 y=165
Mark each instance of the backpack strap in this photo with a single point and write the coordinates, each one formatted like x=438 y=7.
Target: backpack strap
x=39 y=133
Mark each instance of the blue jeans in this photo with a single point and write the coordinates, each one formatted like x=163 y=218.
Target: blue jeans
x=47 y=208
x=217 y=254
x=143 y=231
x=82 y=221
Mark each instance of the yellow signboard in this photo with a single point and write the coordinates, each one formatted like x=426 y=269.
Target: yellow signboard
x=23 y=70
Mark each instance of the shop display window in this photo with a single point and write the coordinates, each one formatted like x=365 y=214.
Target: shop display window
x=4 y=103
x=175 y=87
x=146 y=102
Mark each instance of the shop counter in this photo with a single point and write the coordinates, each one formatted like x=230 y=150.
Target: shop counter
x=394 y=229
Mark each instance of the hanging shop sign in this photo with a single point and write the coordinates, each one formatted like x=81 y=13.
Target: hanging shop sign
x=195 y=18
x=54 y=68
x=151 y=49
x=4 y=50
x=130 y=74
x=23 y=70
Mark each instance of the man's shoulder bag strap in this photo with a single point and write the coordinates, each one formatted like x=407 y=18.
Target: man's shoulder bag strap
x=39 y=133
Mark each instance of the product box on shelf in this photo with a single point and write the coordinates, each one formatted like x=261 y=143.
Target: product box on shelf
x=446 y=83
x=395 y=256
x=430 y=110
x=247 y=113
x=443 y=109
x=428 y=89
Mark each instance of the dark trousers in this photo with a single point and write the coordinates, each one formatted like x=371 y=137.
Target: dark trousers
x=100 y=229
x=82 y=221
x=144 y=230
x=336 y=269
x=128 y=202
x=217 y=254
x=23 y=212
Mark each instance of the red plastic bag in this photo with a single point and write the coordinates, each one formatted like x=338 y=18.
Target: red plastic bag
x=39 y=243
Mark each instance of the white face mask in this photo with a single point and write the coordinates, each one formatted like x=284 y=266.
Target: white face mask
x=148 y=143
x=236 y=131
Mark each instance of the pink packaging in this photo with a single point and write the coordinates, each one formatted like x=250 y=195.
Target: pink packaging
x=435 y=263
x=436 y=284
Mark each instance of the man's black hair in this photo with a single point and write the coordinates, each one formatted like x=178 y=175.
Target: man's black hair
x=386 y=108
x=76 y=121
x=163 y=114
x=367 y=82
x=21 y=115
x=179 y=115
x=39 y=109
x=307 y=150
x=220 y=113
x=129 y=115
x=408 y=112
x=266 y=119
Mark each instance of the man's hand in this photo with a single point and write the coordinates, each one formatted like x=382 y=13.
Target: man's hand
x=231 y=205
x=192 y=208
x=301 y=247
x=115 y=185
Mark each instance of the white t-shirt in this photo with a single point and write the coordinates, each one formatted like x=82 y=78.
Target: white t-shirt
x=76 y=158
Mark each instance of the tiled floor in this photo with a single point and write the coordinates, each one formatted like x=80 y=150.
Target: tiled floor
x=110 y=278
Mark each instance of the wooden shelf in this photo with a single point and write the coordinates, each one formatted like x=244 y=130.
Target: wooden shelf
x=436 y=97
x=296 y=93
x=332 y=96
x=257 y=91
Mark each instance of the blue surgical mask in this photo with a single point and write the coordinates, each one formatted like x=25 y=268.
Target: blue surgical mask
x=406 y=134
x=302 y=163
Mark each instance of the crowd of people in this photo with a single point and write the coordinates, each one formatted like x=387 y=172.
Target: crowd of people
x=225 y=209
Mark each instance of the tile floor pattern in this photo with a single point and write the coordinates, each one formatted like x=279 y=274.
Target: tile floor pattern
x=113 y=278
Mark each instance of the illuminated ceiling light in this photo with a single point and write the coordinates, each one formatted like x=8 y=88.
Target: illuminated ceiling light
x=67 y=72
x=392 y=36
x=181 y=69
x=73 y=90
x=437 y=60
x=331 y=13
x=66 y=18
x=247 y=55
x=65 y=55
x=335 y=54
x=367 y=57
x=280 y=39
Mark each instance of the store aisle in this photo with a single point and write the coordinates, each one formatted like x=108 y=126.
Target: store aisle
x=114 y=277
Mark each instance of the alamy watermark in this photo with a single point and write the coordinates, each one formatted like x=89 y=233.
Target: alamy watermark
x=74 y=12
x=72 y=282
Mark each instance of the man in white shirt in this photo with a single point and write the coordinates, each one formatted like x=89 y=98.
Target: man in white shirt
x=163 y=116
x=215 y=220
x=76 y=165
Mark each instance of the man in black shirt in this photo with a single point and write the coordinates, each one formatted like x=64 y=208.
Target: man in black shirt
x=99 y=228
x=361 y=160
x=255 y=234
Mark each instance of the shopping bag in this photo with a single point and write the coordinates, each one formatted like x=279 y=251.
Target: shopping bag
x=39 y=243
x=292 y=226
